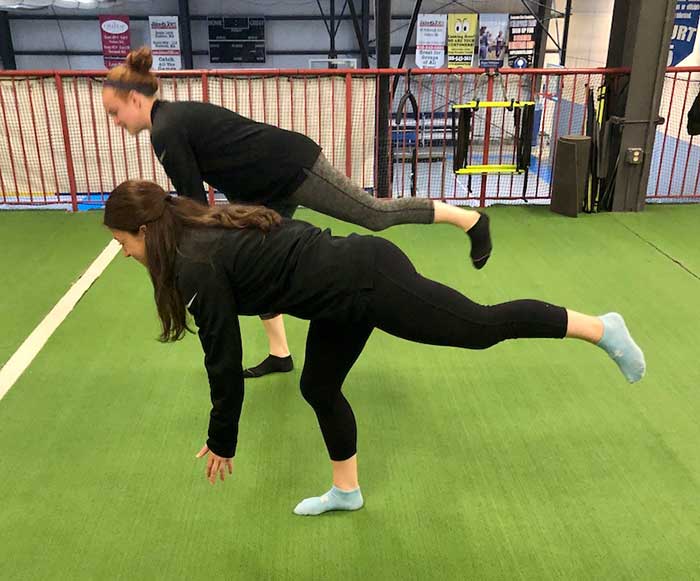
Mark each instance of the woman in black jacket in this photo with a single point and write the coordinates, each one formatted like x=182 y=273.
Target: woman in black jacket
x=221 y=262
x=256 y=163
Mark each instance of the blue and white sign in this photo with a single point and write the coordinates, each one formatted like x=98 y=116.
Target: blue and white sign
x=685 y=27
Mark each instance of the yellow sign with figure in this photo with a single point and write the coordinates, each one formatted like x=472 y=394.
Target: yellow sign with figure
x=461 y=39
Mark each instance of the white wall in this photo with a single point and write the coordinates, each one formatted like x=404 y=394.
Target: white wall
x=588 y=36
x=589 y=33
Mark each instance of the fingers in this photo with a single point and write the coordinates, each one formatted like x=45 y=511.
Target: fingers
x=215 y=465
x=210 y=467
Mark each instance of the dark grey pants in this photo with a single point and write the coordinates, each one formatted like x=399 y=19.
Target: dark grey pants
x=330 y=192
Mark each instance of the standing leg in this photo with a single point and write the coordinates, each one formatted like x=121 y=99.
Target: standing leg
x=330 y=192
x=276 y=335
x=279 y=359
x=331 y=350
x=410 y=306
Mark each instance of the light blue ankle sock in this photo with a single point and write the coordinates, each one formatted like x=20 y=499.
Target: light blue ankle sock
x=618 y=343
x=334 y=499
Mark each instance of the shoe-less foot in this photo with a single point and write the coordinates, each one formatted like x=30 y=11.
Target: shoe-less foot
x=619 y=345
x=272 y=364
x=480 y=236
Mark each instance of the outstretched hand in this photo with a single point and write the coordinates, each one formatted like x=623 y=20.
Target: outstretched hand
x=215 y=464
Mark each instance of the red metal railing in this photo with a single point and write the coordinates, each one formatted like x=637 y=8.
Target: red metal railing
x=57 y=145
x=675 y=167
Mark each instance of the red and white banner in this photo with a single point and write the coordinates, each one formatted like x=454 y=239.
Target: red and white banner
x=165 y=43
x=116 y=39
x=430 y=41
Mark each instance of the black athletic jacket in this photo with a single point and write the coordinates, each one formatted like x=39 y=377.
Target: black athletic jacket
x=246 y=160
x=296 y=269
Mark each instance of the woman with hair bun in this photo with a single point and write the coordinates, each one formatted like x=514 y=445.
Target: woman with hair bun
x=256 y=163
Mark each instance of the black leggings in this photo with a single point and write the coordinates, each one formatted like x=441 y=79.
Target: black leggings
x=409 y=306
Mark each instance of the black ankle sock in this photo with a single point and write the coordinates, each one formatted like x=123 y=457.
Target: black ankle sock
x=272 y=364
x=481 y=241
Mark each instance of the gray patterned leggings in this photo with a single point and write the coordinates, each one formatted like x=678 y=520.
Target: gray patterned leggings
x=330 y=192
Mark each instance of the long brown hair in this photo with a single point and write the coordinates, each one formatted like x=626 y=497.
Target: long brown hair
x=134 y=73
x=135 y=203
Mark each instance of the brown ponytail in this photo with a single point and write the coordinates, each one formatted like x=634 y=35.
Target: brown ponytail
x=135 y=203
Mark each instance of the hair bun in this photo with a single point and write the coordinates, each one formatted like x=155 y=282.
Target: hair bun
x=140 y=60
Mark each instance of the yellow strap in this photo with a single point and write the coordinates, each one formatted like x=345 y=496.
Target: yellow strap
x=503 y=168
x=492 y=104
x=601 y=105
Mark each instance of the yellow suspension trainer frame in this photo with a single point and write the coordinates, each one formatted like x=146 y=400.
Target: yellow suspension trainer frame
x=523 y=121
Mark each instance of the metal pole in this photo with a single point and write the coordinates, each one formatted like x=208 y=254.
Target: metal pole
x=565 y=40
x=407 y=40
x=365 y=28
x=647 y=26
x=487 y=140
x=383 y=34
x=411 y=28
x=358 y=34
x=332 y=54
x=70 y=169
x=7 y=52
x=185 y=34
x=543 y=9
x=348 y=125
